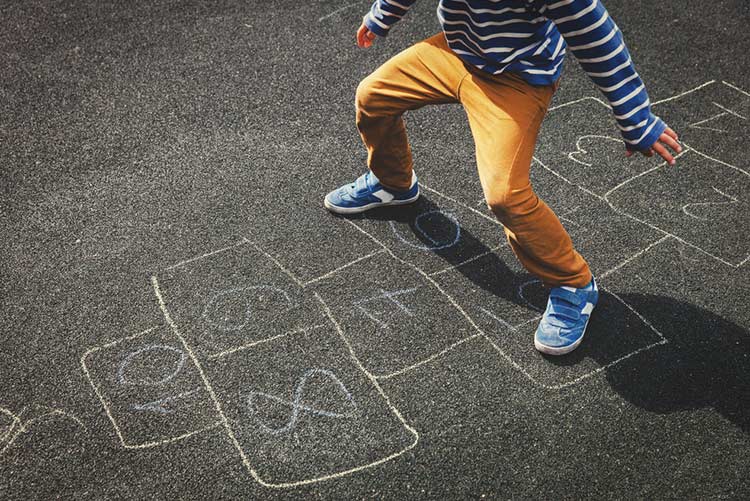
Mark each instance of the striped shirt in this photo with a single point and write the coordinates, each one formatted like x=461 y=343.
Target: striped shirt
x=531 y=37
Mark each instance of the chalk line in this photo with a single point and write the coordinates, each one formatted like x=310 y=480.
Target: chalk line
x=345 y=7
x=634 y=257
x=107 y=408
x=732 y=200
x=736 y=88
x=585 y=190
x=340 y=268
x=303 y=330
x=427 y=360
x=683 y=94
x=208 y=254
x=277 y=263
x=18 y=427
x=731 y=112
x=571 y=155
x=472 y=209
x=480 y=256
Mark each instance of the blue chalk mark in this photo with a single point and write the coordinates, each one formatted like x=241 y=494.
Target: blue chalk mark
x=298 y=406
x=151 y=382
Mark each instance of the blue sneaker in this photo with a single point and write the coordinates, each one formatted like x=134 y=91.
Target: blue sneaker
x=565 y=319
x=367 y=193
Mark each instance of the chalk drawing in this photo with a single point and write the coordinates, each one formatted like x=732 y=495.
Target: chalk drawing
x=435 y=244
x=390 y=296
x=150 y=382
x=465 y=206
x=736 y=88
x=337 y=11
x=228 y=427
x=215 y=311
x=108 y=408
x=522 y=288
x=579 y=149
x=683 y=94
x=470 y=260
x=18 y=427
x=497 y=319
x=731 y=199
x=298 y=406
x=162 y=405
x=725 y=112
x=303 y=330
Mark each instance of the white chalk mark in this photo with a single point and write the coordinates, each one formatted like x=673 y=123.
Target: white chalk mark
x=732 y=200
x=470 y=260
x=570 y=103
x=579 y=148
x=497 y=319
x=19 y=427
x=209 y=254
x=107 y=408
x=225 y=421
x=341 y=9
x=685 y=150
x=161 y=406
x=633 y=257
x=727 y=110
x=390 y=296
x=429 y=359
x=683 y=94
x=564 y=216
x=297 y=404
x=738 y=169
x=149 y=382
x=472 y=209
x=435 y=244
x=303 y=330
x=227 y=324
x=481 y=333
x=277 y=263
x=340 y=268
x=522 y=288
x=736 y=88
x=599 y=197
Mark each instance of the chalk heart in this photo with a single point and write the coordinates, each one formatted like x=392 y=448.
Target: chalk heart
x=596 y=150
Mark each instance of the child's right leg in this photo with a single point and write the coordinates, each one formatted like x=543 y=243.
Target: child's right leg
x=426 y=73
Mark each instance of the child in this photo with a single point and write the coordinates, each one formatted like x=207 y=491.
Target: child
x=501 y=59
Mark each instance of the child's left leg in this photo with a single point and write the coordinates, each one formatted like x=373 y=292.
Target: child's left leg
x=505 y=114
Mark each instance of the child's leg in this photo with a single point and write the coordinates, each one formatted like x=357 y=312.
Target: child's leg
x=505 y=114
x=426 y=73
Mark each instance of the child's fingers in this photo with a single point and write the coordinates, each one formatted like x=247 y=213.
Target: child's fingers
x=671 y=133
x=671 y=142
x=664 y=153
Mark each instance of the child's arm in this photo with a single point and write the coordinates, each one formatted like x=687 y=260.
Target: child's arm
x=598 y=45
x=384 y=14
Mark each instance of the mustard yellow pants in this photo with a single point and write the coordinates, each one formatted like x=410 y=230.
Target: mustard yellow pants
x=505 y=114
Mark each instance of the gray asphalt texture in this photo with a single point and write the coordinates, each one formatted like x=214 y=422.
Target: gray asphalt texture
x=137 y=136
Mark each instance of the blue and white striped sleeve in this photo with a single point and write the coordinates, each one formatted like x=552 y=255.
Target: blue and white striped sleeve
x=597 y=43
x=385 y=13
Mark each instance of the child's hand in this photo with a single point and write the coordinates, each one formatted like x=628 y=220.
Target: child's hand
x=669 y=138
x=365 y=36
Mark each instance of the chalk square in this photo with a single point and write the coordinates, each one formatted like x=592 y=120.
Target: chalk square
x=150 y=389
x=580 y=141
x=434 y=232
x=234 y=297
x=714 y=119
x=614 y=333
x=392 y=316
x=703 y=202
x=301 y=409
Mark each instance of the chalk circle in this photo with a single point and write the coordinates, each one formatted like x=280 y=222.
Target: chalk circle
x=298 y=406
x=436 y=244
x=221 y=310
x=167 y=376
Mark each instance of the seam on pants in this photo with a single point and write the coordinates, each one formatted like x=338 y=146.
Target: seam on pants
x=460 y=84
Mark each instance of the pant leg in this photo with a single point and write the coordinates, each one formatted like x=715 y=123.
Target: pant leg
x=426 y=73
x=505 y=114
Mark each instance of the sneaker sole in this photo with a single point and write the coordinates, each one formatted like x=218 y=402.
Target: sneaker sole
x=357 y=210
x=562 y=350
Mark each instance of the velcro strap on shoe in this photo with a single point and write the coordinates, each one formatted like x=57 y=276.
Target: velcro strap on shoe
x=567 y=296
x=560 y=310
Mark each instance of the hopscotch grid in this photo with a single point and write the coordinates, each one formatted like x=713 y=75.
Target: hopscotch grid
x=225 y=421
x=502 y=353
x=340 y=268
x=107 y=408
x=685 y=150
x=303 y=330
x=470 y=260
